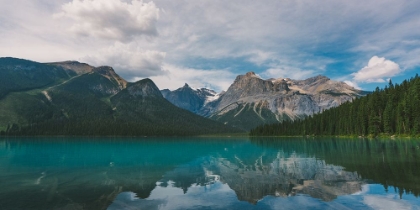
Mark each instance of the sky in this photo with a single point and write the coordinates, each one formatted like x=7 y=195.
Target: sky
x=207 y=43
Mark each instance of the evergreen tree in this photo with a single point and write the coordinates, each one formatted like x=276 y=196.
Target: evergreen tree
x=393 y=110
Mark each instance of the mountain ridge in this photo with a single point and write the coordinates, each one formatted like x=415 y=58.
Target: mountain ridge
x=98 y=102
x=73 y=66
x=251 y=100
x=188 y=98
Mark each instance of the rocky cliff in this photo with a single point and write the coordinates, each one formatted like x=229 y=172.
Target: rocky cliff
x=251 y=100
x=144 y=88
x=285 y=96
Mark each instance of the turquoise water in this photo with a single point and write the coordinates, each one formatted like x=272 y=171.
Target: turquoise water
x=208 y=173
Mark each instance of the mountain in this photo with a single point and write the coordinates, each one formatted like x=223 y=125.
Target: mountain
x=21 y=75
x=190 y=99
x=251 y=101
x=394 y=110
x=74 y=67
x=98 y=102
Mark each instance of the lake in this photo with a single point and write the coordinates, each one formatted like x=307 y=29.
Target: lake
x=209 y=173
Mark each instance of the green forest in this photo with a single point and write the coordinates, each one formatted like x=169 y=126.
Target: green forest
x=81 y=113
x=394 y=110
x=45 y=100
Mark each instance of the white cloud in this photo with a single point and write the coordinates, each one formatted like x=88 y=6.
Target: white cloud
x=353 y=84
x=377 y=70
x=129 y=60
x=288 y=72
x=394 y=35
x=216 y=79
x=112 y=19
x=306 y=35
x=259 y=57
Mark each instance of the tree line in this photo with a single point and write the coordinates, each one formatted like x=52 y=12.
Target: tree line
x=81 y=114
x=394 y=110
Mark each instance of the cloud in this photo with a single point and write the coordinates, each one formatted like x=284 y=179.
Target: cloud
x=111 y=19
x=216 y=79
x=259 y=57
x=288 y=72
x=129 y=60
x=301 y=37
x=353 y=84
x=377 y=70
x=259 y=32
x=393 y=36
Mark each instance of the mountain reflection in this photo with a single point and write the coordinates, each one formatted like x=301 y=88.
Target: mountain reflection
x=388 y=162
x=202 y=173
x=282 y=176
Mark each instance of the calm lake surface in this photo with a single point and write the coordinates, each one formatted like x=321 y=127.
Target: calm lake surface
x=209 y=173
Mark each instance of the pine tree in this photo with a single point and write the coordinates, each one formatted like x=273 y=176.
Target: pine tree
x=393 y=110
x=387 y=118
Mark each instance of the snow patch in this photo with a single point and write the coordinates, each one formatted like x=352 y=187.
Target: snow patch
x=211 y=98
x=258 y=76
x=210 y=92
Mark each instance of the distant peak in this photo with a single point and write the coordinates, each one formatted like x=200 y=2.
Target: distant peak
x=250 y=74
x=317 y=78
x=144 y=81
x=110 y=73
x=144 y=87
x=186 y=85
x=104 y=68
x=321 y=77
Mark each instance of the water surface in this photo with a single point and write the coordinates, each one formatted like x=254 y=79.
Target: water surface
x=209 y=173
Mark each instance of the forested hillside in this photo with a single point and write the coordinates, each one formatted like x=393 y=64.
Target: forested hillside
x=19 y=75
x=394 y=110
x=45 y=99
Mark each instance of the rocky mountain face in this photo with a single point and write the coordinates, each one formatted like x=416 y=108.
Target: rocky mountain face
x=51 y=99
x=109 y=73
x=144 y=88
x=251 y=101
x=275 y=100
x=190 y=99
x=74 y=67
